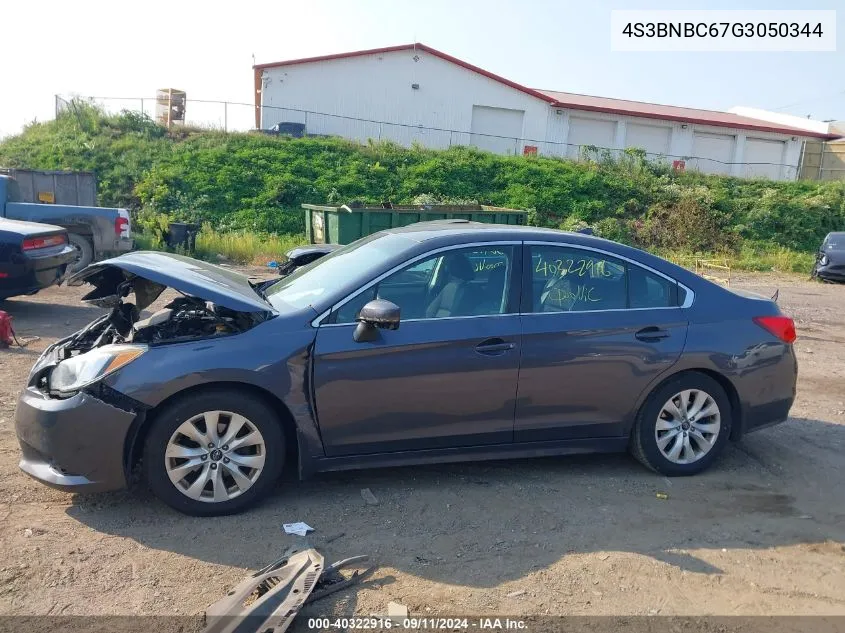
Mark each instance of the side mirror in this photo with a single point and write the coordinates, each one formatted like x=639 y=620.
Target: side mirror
x=378 y=313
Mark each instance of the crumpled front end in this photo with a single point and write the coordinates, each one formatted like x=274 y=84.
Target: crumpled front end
x=74 y=444
x=830 y=266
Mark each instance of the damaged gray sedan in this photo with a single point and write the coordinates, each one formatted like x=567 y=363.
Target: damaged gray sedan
x=830 y=260
x=435 y=342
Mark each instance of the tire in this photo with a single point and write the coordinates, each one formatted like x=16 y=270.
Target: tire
x=85 y=249
x=199 y=472
x=700 y=447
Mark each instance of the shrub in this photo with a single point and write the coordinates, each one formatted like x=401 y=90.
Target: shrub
x=254 y=182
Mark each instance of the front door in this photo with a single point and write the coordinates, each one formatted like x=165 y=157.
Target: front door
x=446 y=378
x=597 y=331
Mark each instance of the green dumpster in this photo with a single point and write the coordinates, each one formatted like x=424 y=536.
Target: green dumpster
x=345 y=224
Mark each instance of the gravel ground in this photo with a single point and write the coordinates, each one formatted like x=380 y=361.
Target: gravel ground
x=760 y=533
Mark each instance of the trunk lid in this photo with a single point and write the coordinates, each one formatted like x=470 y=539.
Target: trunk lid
x=29 y=229
x=200 y=279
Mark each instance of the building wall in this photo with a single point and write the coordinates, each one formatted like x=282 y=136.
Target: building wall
x=378 y=88
x=681 y=143
x=373 y=97
x=823 y=161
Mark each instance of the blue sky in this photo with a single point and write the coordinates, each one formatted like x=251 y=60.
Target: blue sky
x=93 y=47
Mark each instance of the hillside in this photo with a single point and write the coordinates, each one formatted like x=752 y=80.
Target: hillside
x=256 y=182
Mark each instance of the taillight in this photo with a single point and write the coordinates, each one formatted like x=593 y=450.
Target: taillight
x=121 y=224
x=43 y=242
x=781 y=326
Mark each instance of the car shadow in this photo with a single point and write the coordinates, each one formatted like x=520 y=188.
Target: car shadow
x=38 y=314
x=484 y=523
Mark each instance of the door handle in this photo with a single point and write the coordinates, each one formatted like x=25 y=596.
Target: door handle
x=651 y=334
x=493 y=346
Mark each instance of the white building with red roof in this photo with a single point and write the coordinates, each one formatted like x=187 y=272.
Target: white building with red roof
x=415 y=94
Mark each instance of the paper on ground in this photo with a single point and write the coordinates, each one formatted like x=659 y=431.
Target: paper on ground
x=299 y=528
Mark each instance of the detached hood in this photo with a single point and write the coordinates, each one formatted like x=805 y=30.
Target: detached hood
x=148 y=273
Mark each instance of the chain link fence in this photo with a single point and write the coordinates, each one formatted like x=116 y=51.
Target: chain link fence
x=229 y=116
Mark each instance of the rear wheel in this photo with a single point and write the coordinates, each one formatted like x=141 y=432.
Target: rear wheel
x=84 y=249
x=683 y=426
x=212 y=454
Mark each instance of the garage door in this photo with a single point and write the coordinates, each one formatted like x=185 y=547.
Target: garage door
x=496 y=129
x=712 y=153
x=768 y=156
x=589 y=132
x=654 y=139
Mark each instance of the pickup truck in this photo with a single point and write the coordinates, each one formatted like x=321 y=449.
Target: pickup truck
x=95 y=232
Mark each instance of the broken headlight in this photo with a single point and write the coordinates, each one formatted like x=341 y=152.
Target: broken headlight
x=78 y=371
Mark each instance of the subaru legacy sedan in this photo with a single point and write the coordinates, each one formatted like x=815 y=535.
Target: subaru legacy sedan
x=436 y=342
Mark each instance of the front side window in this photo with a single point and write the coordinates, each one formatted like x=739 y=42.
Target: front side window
x=566 y=279
x=460 y=282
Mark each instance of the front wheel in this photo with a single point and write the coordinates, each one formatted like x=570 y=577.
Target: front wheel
x=683 y=426
x=213 y=454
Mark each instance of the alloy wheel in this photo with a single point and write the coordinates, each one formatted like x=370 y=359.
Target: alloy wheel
x=215 y=456
x=688 y=426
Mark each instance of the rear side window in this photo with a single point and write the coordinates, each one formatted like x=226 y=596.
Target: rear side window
x=566 y=279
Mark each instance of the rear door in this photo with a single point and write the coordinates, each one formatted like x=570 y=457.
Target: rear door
x=446 y=378
x=597 y=330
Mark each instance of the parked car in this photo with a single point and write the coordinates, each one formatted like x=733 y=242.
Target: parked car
x=304 y=255
x=32 y=256
x=94 y=232
x=434 y=342
x=830 y=260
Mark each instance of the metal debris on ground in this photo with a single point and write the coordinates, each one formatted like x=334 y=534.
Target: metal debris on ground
x=662 y=495
x=331 y=580
x=333 y=538
x=369 y=497
x=269 y=599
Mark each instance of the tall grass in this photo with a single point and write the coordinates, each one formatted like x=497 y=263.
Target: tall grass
x=750 y=257
x=244 y=247
x=241 y=247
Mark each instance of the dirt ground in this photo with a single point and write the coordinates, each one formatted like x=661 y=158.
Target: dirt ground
x=761 y=533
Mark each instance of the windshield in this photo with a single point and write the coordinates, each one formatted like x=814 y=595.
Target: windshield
x=834 y=242
x=319 y=279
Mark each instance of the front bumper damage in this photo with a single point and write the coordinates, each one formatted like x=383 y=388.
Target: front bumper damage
x=74 y=444
x=830 y=272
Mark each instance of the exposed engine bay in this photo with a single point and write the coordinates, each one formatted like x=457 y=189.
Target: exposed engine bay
x=184 y=318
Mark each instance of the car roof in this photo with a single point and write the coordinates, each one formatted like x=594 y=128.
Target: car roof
x=462 y=229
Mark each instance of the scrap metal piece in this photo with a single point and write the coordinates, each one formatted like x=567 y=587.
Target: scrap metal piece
x=331 y=580
x=269 y=599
